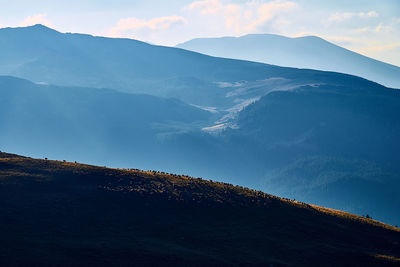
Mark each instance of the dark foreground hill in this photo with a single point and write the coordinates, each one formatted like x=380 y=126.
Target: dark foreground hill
x=69 y=214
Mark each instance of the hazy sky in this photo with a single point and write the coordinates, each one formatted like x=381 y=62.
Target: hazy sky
x=369 y=27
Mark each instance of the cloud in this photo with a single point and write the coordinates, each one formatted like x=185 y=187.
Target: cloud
x=385 y=47
x=371 y=14
x=267 y=12
x=380 y=48
x=246 y=17
x=341 y=40
x=339 y=17
x=206 y=6
x=36 y=19
x=343 y=16
x=154 y=24
x=380 y=28
x=384 y=28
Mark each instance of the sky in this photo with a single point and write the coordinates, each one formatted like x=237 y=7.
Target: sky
x=369 y=27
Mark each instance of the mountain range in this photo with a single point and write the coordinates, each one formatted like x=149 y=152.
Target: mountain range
x=43 y=55
x=324 y=137
x=309 y=52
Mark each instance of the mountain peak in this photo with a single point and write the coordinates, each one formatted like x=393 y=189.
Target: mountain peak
x=33 y=28
x=311 y=38
x=40 y=27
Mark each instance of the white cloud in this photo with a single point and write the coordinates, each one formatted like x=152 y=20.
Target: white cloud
x=267 y=12
x=154 y=24
x=338 y=17
x=342 y=16
x=246 y=17
x=384 y=28
x=341 y=40
x=206 y=6
x=36 y=19
x=380 y=28
x=380 y=48
x=206 y=18
x=371 y=14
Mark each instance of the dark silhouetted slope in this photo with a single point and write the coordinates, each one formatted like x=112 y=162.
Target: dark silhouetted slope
x=62 y=213
x=302 y=52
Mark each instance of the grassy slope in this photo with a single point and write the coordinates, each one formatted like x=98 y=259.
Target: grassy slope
x=62 y=213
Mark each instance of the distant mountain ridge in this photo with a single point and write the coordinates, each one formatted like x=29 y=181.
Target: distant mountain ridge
x=302 y=52
x=43 y=55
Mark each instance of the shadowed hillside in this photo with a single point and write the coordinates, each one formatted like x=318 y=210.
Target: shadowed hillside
x=332 y=146
x=91 y=124
x=62 y=213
